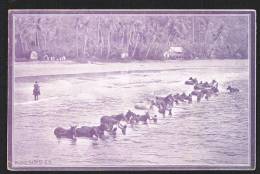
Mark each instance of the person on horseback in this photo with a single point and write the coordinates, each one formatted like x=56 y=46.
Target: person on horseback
x=36 y=90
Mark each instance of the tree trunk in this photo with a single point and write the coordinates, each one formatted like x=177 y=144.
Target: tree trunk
x=151 y=43
x=100 y=39
x=101 y=44
x=122 y=41
x=129 y=42
x=109 y=45
x=77 y=46
x=37 y=40
x=136 y=43
x=168 y=40
x=45 y=41
x=22 y=44
x=85 y=45
x=156 y=52
x=193 y=29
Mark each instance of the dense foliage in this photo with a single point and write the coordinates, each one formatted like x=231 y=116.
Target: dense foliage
x=106 y=37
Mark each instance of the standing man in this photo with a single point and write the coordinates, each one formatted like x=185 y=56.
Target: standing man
x=36 y=90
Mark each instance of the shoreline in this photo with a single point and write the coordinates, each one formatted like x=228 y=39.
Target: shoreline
x=47 y=68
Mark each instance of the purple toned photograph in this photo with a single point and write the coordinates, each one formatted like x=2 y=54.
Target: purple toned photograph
x=131 y=90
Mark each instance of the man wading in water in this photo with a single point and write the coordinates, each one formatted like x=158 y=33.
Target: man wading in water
x=36 y=90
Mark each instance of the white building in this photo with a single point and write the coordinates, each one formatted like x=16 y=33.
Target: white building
x=173 y=52
x=176 y=49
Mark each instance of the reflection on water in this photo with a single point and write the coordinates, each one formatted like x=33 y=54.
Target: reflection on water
x=210 y=132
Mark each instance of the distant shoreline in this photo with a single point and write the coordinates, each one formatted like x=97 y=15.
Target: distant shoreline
x=52 y=68
x=122 y=60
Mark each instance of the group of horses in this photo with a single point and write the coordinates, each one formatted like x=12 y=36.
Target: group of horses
x=159 y=105
x=109 y=124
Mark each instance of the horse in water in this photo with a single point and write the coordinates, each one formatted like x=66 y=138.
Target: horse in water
x=60 y=132
x=111 y=123
x=36 y=90
x=232 y=90
x=164 y=103
x=144 y=118
x=199 y=94
x=191 y=81
x=131 y=117
x=94 y=132
x=178 y=98
x=185 y=97
x=208 y=92
x=214 y=84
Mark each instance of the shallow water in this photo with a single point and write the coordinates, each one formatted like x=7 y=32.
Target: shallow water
x=211 y=132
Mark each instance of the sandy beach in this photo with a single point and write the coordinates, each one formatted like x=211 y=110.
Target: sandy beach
x=38 y=68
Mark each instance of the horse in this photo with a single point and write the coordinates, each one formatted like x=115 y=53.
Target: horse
x=232 y=90
x=111 y=123
x=199 y=94
x=199 y=86
x=94 y=132
x=209 y=92
x=164 y=103
x=214 y=83
x=131 y=117
x=206 y=85
x=215 y=89
x=65 y=133
x=186 y=97
x=178 y=97
x=182 y=96
x=144 y=118
x=191 y=81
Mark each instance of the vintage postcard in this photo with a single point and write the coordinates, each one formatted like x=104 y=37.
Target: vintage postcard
x=131 y=90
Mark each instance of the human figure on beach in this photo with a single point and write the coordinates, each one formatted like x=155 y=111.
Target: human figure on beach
x=36 y=90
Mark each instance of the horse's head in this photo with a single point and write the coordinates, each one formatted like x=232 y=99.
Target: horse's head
x=169 y=97
x=73 y=131
x=152 y=117
x=122 y=125
x=214 y=89
x=122 y=117
x=98 y=131
x=129 y=114
x=131 y=117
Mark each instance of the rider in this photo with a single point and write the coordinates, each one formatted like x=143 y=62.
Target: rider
x=36 y=90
